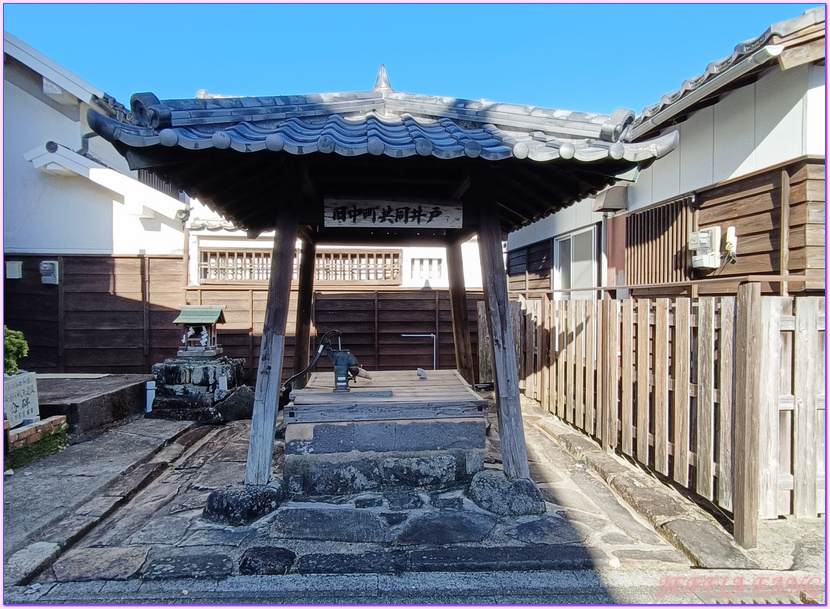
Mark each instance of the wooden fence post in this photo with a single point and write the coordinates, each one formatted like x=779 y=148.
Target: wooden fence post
x=807 y=383
x=747 y=414
x=610 y=373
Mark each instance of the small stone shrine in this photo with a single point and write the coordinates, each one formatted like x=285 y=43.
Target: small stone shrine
x=199 y=383
x=199 y=330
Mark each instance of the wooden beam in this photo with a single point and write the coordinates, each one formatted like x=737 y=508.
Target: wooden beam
x=460 y=318
x=305 y=295
x=506 y=375
x=266 y=395
x=784 y=221
x=461 y=189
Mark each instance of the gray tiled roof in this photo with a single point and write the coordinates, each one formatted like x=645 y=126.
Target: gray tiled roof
x=236 y=154
x=722 y=66
x=378 y=122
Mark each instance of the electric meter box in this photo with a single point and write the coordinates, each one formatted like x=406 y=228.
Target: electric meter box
x=706 y=261
x=706 y=241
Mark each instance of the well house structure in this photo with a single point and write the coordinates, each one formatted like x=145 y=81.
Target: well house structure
x=377 y=167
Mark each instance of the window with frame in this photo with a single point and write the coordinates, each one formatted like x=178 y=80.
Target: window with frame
x=576 y=262
x=378 y=267
x=426 y=268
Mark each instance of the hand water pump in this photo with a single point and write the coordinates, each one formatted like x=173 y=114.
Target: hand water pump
x=346 y=366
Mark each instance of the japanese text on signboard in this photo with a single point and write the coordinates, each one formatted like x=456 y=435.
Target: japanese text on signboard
x=414 y=215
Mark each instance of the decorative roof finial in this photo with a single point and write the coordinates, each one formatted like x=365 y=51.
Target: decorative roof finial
x=382 y=83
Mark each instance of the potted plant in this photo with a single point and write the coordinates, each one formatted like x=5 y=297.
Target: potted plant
x=14 y=347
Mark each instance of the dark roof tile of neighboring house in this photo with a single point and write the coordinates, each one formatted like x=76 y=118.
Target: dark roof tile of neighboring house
x=747 y=56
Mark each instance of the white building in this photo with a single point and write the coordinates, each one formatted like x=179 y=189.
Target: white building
x=760 y=110
x=67 y=191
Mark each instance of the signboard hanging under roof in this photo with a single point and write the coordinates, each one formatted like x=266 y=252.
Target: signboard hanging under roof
x=362 y=213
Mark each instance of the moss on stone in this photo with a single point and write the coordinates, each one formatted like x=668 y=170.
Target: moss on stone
x=51 y=442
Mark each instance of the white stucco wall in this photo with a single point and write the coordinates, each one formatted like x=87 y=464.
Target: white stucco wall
x=73 y=214
x=776 y=119
x=577 y=216
x=470 y=260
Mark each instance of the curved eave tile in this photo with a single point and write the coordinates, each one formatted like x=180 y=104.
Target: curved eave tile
x=396 y=137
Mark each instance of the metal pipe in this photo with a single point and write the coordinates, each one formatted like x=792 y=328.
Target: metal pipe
x=434 y=346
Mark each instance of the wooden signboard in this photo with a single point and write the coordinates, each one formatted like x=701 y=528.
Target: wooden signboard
x=361 y=213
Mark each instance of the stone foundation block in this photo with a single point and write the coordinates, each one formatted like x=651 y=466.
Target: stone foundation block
x=240 y=504
x=384 y=436
x=492 y=491
x=328 y=524
x=358 y=472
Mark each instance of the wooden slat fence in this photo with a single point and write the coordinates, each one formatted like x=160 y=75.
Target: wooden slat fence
x=114 y=314
x=655 y=380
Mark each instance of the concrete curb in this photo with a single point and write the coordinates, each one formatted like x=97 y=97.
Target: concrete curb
x=681 y=523
x=602 y=586
x=49 y=543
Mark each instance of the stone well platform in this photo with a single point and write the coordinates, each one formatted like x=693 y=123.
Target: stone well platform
x=395 y=430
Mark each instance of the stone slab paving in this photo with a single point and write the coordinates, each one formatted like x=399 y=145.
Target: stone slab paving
x=45 y=493
x=157 y=544
x=161 y=533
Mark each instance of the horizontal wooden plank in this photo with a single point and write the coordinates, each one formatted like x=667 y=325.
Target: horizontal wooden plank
x=754 y=185
x=802 y=258
x=787 y=402
x=811 y=212
x=808 y=170
x=809 y=190
x=807 y=234
x=107 y=340
x=737 y=204
x=170 y=266
x=104 y=265
x=104 y=320
x=785 y=482
x=105 y=360
x=787 y=323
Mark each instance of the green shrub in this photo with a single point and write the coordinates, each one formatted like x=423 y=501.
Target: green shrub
x=14 y=347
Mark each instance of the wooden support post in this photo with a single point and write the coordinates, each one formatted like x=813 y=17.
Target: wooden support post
x=460 y=317
x=745 y=472
x=506 y=372
x=485 y=350
x=266 y=395
x=305 y=295
x=784 y=242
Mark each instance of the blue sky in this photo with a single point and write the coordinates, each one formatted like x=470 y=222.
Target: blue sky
x=586 y=57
